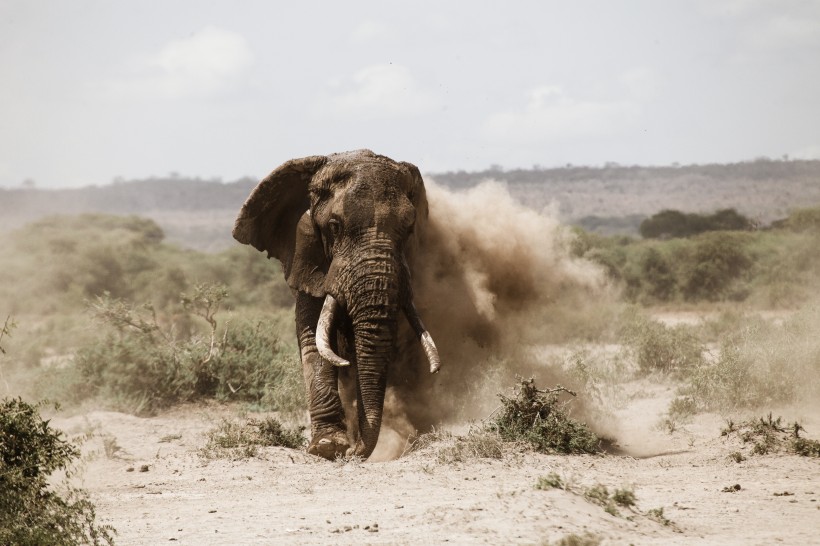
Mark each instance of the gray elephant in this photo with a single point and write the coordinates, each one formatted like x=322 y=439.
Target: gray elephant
x=345 y=227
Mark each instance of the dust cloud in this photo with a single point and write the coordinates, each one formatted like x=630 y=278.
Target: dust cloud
x=493 y=281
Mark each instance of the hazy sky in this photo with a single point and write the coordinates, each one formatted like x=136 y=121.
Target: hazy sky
x=95 y=89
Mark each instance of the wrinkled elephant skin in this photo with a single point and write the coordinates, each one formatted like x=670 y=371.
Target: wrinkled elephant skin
x=345 y=228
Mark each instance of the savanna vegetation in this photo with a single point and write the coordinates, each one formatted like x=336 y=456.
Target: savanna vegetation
x=691 y=259
x=101 y=310
x=36 y=507
x=108 y=311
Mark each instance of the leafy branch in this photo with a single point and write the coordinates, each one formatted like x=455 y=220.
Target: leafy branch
x=122 y=316
x=8 y=326
x=205 y=303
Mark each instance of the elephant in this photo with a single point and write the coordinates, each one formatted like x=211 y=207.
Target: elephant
x=345 y=228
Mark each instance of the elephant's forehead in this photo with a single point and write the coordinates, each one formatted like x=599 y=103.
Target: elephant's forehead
x=378 y=176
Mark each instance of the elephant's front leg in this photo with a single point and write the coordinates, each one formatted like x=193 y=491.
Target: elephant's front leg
x=327 y=417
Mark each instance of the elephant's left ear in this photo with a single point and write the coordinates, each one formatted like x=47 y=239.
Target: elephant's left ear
x=307 y=273
x=269 y=217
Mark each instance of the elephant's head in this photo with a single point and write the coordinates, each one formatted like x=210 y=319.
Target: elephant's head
x=342 y=226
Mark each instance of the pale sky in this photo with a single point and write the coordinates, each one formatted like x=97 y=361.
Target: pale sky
x=97 y=89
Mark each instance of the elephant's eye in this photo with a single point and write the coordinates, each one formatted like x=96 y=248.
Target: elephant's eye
x=335 y=226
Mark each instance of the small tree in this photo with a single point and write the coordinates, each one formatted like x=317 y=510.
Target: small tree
x=719 y=259
x=658 y=275
x=32 y=511
x=8 y=326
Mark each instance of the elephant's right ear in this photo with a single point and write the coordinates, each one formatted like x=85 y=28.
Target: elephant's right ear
x=269 y=217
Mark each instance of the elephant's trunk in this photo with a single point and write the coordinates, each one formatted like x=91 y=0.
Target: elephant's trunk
x=372 y=290
x=328 y=318
x=373 y=304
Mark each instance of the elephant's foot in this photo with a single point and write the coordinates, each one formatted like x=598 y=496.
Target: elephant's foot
x=329 y=446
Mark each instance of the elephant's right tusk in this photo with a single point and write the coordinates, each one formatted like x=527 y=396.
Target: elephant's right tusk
x=326 y=319
x=426 y=339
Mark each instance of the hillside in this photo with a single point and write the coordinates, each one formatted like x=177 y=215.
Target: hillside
x=610 y=199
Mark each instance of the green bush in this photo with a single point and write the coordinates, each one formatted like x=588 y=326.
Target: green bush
x=658 y=275
x=716 y=262
x=660 y=348
x=32 y=510
x=536 y=417
x=806 y=219
x=777 y=267
x=138 y=364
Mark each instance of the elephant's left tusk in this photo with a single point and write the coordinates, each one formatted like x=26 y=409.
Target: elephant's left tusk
x=431 y=351
x=426 y=339
x=323 y=333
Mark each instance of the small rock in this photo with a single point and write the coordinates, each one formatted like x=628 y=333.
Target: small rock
x=144 y=468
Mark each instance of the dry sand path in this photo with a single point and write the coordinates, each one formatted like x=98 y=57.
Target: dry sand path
x=286 y=497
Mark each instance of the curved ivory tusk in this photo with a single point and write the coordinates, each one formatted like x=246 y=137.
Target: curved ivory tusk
x=426 y=339
x=431 y=351
x=323 y=333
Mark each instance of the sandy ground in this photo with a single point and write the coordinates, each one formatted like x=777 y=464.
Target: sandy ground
x=154 y=487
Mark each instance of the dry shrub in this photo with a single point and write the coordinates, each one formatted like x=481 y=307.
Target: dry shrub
x=587 y=539
x=769 y=435
x=448 y=448
x=140 y=364
x=242 y=440
x=660 y=348
x=538 y=418
x=760 y=364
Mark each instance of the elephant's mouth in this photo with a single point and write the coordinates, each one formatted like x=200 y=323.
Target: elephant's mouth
x=328 y=318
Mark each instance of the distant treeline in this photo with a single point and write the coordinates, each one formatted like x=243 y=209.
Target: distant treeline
x=759 y=169
x=674 y=223
x=717 y=257
x=609 y=200
x=180 y=193
x=131 y=197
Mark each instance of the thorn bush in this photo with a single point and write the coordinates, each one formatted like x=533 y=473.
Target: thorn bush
x=538 y=418
x=242 y=440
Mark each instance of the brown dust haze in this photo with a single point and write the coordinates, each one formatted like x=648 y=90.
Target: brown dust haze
x=493 y=280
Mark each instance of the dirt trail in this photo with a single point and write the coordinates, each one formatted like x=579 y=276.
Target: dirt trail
x=285 y=497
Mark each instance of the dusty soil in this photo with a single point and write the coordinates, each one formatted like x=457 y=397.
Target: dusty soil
x=154 y=487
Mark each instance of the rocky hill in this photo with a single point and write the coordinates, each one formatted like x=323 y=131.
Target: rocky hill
x=610 y=199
